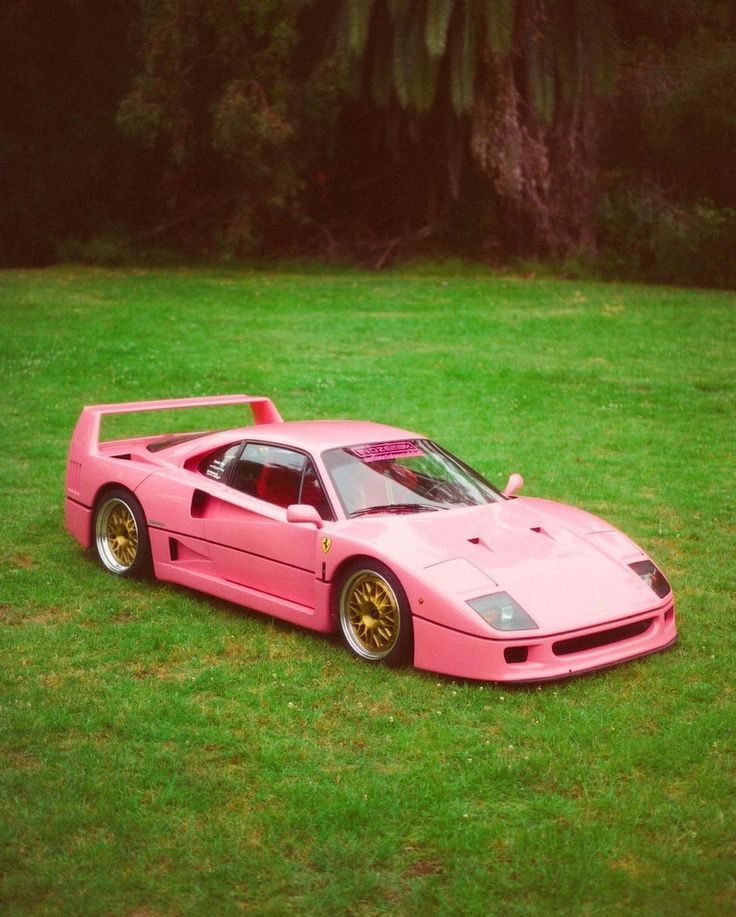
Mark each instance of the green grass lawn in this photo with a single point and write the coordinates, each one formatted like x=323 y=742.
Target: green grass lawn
x=163 y=753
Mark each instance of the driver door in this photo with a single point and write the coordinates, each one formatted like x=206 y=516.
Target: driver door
x=251 y=542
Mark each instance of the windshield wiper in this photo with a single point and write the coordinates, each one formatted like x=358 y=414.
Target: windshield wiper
x=393 y=508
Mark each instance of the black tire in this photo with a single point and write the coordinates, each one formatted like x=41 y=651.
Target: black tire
x=374 y=615
x=120 y=534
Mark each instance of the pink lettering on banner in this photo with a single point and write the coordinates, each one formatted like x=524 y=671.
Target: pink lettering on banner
x=384 y=452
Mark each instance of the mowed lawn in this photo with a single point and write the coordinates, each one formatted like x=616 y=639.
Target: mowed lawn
x=163 y=753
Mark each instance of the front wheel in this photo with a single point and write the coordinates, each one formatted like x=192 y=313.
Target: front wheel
x=121 y=535
x=375 y=619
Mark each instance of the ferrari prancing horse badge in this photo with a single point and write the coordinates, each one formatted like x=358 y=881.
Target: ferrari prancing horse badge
x=326 y=544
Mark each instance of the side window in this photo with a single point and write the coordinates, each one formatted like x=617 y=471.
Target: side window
x=218 y=464
x=312 y=493
x=270 y=473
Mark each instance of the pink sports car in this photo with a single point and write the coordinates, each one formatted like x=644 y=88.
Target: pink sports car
x=373 y=531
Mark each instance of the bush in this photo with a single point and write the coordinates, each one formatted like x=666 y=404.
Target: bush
x=108 y=249
x=643 y=236
x=114 y=248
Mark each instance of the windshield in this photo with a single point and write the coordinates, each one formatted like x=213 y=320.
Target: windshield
x=411 y=476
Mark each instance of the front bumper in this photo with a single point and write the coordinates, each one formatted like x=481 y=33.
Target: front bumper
x=530 y=659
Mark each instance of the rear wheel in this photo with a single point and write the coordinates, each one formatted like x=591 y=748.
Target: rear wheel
x=375 y=619
x=121 y=535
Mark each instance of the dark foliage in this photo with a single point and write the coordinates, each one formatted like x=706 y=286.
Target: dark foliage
x=66 y=170
x=668 y=211
x=215 y=128
x=230 y=92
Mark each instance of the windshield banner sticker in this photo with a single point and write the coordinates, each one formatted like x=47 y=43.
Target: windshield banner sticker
x=384 y=452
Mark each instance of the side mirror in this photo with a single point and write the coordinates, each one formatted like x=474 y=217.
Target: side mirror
x=514 y=483
x=300 y=512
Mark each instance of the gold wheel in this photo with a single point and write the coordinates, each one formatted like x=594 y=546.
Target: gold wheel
x=370 y=615
x=117 y=534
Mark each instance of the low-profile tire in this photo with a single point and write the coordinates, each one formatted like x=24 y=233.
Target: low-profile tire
x=120 y=534
x=375 y=619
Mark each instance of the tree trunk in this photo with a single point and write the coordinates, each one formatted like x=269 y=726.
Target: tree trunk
x=544 y=173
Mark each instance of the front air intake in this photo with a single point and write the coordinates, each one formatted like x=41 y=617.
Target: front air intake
x=600 y=638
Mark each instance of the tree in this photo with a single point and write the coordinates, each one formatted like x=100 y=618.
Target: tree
x=677 y=95
x=224 y=92
x=519 y=79
x=65 y=169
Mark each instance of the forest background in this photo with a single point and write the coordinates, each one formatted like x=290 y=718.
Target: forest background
x=594 y=135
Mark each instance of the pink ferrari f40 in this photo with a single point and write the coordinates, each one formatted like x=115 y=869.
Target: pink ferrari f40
x=372 y=531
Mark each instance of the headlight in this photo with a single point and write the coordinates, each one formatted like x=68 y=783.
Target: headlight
x=502 y=612
x=652 y=576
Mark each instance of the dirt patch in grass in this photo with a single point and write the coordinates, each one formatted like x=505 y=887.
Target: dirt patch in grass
x=51 y=615
x=24 y=761
x=13 y=615
x=424 y=867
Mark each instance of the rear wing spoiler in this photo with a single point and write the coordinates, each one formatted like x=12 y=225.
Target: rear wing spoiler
x=87 y=431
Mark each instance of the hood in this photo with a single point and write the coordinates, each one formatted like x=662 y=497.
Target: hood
x=566 y=568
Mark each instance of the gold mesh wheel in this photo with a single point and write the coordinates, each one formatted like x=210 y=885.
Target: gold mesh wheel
x=370 y=615
x=118 y=523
